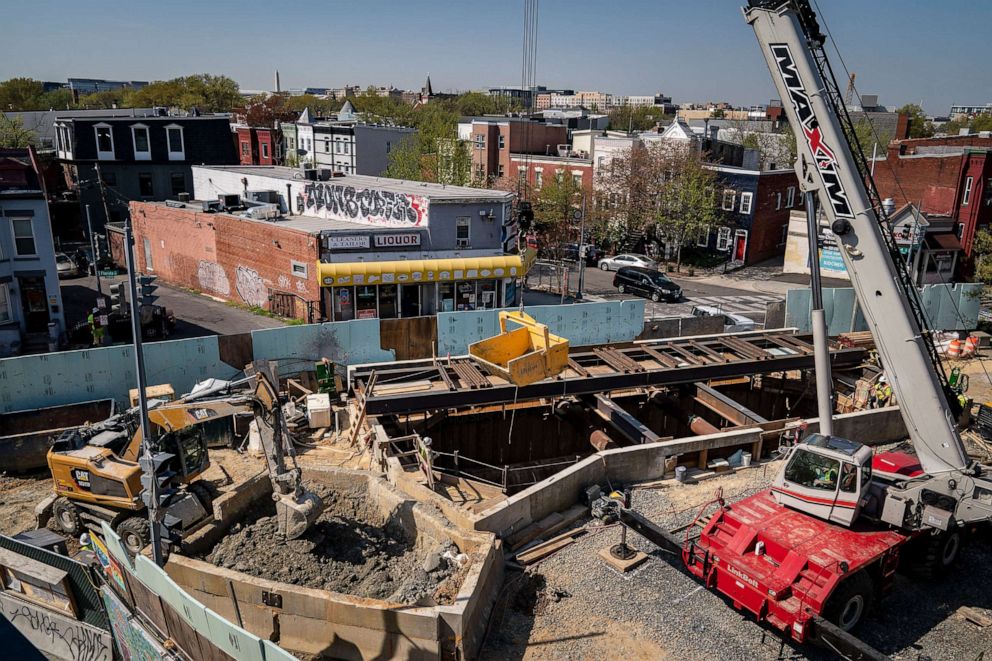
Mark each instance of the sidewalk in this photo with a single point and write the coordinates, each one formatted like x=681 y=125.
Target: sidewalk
x=763 y=278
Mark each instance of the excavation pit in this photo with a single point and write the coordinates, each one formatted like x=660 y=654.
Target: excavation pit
x=379 y=573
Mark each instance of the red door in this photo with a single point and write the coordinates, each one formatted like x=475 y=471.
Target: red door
x=740 y=246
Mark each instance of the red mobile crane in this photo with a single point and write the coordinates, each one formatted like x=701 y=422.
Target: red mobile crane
x=812 y=554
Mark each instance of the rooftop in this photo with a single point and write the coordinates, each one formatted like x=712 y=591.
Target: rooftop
x=433 y=192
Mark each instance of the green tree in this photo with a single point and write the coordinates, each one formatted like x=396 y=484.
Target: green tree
x=106 y=99
x=555 y=205
x=203 y=91
x=687 y=205
x=57 y=99
x=20 y=94
x=981 y=253
x=13 y=135
x=919 y=125
x=640 y=118
x=434 y=153
x=318 y=107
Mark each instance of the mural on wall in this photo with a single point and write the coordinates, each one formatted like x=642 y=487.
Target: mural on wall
x=364 y=205
x=58 y=635
x=250 y=286
x=212 y=277
x=133 y=641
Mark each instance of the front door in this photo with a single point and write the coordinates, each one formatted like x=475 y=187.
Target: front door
x=34 y=300
x=410 y=300
x=740 y=245
x=283 y=304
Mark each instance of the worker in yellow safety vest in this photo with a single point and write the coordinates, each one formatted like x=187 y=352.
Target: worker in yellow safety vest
x=881 y=393
x=95 y=328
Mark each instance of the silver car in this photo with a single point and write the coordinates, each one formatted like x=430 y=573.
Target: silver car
x=65 y=266
x=627 y=259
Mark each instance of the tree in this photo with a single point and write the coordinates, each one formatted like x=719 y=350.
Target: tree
x=919 y=125
x=13 y=135
x=633 y=118
x=203 y=91
x=554 y=210
x=687 y=204
x=20 y=94
x=295 y=104
x=774 y=149
x=265 y=110
x=981 y=252
x=627 y=191
x=433 y=153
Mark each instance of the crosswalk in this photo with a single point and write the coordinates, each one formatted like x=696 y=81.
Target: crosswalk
x=751 y=304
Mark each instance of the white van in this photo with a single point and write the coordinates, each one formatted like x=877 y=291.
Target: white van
x=732 y=323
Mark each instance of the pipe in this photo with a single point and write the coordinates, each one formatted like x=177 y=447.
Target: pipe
x=701 y=427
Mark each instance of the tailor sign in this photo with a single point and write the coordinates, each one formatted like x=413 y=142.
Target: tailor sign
x=353 y=242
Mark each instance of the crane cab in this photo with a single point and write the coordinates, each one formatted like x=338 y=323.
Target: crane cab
x=827 y=477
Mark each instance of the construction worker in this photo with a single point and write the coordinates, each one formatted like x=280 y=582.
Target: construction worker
x=95 y=328
x=881 y=393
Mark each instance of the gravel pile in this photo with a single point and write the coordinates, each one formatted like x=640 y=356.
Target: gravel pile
x=574 y=606
x=348 y=550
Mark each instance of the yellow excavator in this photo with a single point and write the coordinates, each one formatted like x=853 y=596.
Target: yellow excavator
x=97 y=476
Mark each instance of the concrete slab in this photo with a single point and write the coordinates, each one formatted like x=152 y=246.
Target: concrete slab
x=621 y=565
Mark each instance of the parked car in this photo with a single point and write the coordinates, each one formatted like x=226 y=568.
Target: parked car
x=646 y=282
x=570 y=251
x=627 y=259
x=732 y=323
x=65 y=266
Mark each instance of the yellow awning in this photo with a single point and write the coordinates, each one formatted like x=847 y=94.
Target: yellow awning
x=423 y=270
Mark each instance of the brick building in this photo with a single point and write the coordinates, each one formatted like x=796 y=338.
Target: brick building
x=948 y=176
x=258 y=145
x=492 y=141
x=535 y=171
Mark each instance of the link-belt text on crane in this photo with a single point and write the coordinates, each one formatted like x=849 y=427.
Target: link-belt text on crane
x=826 y=162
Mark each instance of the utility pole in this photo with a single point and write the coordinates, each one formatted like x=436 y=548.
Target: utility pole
x=146 y=461
x=103 y=194
x=96 y=255
x=582 y=247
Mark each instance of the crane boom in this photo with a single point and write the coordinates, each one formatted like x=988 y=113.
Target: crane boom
x=792 y=46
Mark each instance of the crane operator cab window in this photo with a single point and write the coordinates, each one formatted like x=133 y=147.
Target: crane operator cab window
x=814 y=471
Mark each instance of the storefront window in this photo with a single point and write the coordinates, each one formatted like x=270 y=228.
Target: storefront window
x=387 y=301
x=428 y=299
x=410 y=300
x=344 y=303
x=446 y=296
x=487 y=294
x=365 y=302
x=465 y=295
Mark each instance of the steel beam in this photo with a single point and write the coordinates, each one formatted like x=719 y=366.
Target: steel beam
x=726 y=407
x=633 y=429
x=600 y=383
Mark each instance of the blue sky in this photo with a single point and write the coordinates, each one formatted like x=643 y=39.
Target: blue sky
x=902 y=50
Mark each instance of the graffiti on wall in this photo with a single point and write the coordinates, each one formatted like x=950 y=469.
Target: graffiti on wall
x=251 y=288
x=133 y=640
x=59 y=635
x=212 y=278
x=367 y=205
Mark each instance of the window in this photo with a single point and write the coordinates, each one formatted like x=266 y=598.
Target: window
x=785 y=235
x=502 y=141
x=245 y=148
x=149 y=264
x=5 y=315
x=177 y=181
x=142 y=148
x=703 y=238
x=723 y=234
x=145 y=186
x=292 y=143
x=480 y=140
x=265 y=150
x=848 y=478
x=299 y=268
x=538 y=179
x=23 y=236
x=577 y=179
x=104 y=142
x=746 y=203
x=499 y=171
x=462 y=232
x=729 y=199
x=778 y=200
x=813 y=471
x=522 y=174
x=967 y=191
x=174 y=138
x=790 y=198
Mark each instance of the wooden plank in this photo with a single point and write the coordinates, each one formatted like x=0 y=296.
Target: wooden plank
x=692 y=359
x=533 y=531
x=975 y=616
x=709 y=352
x=578 y=369
x=543 y=551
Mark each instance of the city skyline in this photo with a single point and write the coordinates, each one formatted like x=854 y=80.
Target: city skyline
x=644 y=50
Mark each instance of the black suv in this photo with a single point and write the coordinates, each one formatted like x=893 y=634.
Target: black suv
x=646 y=282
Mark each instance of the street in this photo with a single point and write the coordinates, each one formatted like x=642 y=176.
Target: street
x=196 y=315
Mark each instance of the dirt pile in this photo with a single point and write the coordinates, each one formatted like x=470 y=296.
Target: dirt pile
x=348 y=550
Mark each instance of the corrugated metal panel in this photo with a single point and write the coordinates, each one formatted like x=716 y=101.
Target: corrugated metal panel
x=947 y=307
x=83 y=589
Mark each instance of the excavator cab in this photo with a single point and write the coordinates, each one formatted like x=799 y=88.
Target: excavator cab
x=827 y=477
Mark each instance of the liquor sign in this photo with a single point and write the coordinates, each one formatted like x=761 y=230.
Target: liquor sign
x=334 y=242
x=404 y=240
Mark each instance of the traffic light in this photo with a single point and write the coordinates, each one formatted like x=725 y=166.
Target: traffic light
x=118 y=299
x=146 y=289
x=156 y=465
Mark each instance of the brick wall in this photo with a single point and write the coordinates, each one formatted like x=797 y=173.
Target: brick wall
x=548 y=168
x=226 y=257
x=770 y=222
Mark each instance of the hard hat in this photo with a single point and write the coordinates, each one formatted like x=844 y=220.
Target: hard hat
x=84 y=539
x=882 y=379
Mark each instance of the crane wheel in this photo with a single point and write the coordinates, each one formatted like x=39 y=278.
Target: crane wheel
x=939 y=553
x=202 y=491
x=66 y=516
x=849 y=603
x=135 y=533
